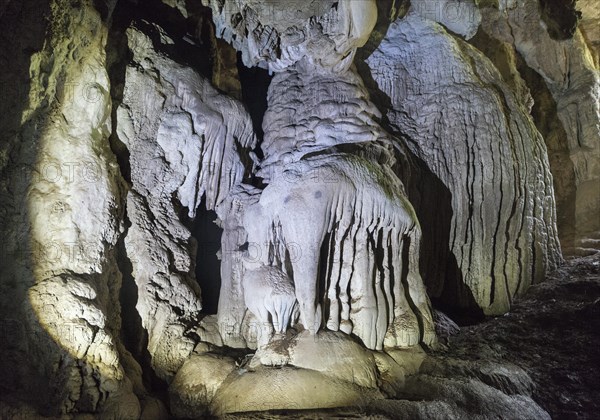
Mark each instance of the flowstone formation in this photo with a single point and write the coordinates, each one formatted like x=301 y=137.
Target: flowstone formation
x=184 y=141
x=322 y=259
x=399 y=157
x=498 y=235
x=333 y=217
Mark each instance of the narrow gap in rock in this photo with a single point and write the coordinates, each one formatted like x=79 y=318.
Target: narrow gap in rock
x=133 y=335
x=117 y=57
x=404 y=279
x=255 y=85
x=208 y=265
x=323 y=276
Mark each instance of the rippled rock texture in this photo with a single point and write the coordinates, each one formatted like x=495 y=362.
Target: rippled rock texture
x=348 y=162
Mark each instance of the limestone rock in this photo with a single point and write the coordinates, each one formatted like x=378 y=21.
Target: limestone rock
x=181 y=135
x=500 y=225
x=269 y=294
x=437 y=398
x=330 y=223
x=276 y=35
x=570 y=72
x=459 y=17
x=336 y=355
x=588 y=25
x=62 y=212
x=329 y=181
x=444 y=326
x=445 y=387
x=197 y=382
x=287 y=388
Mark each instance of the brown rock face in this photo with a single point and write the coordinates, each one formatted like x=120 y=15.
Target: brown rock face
x=561 y=60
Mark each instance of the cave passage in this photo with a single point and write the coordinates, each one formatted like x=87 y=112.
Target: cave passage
x=208 y=266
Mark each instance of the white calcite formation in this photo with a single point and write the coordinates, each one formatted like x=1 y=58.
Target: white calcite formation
x=476 y=140
x=275 y=35
x=182 y=137
x=330 y=185
x=269 y=294
x=421 y=175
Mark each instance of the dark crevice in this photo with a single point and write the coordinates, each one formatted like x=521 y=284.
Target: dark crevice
x=255 y=85
x=133 y=335
x=191 y=36
x=324 y=274
x=560 y=17
x=406 y=245
x=208 y=266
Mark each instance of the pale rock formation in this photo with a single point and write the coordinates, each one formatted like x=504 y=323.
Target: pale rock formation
x=182 y=136
x=269 y=294
x=488 y=158
x=336 y=355
x=569 y=68
x=436 y=398
x=445 y=327
x=197 y=382
x=445 y=386
x=320 y=195
x=588 y=25
x=286 y=388
x=276 y=35
x=62 y=212
x=233 y=320
x=361 y=213
x=457 y=16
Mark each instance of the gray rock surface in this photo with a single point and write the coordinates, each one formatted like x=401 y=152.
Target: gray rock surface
x=487 y=156
x=181 y=135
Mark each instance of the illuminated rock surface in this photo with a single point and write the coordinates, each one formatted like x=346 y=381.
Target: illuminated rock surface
x=453 y=108
x=189 y=233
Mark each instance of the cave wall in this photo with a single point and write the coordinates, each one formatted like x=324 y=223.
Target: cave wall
x=565 y=56
x=458 y=117
x=108 y=144
x=62 y=210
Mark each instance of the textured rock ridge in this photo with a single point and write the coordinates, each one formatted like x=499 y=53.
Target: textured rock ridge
x=62 y=194
x=183 y=139
x=487 y=154
x=568 y=66
x=276 y=35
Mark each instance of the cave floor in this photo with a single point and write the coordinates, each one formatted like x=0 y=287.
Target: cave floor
x=552 y=332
